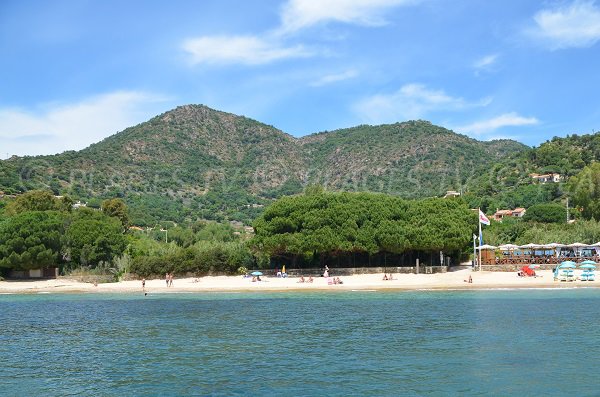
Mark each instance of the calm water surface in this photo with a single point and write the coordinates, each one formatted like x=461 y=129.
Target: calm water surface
x=519 y=343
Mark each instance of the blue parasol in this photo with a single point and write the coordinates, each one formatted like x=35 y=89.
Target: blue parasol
x=256 y=273
x=587 y=266
x=567 y=265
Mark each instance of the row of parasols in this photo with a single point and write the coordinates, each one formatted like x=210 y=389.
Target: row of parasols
x=565 y=271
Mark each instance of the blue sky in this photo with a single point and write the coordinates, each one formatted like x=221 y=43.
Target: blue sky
x=74 y=72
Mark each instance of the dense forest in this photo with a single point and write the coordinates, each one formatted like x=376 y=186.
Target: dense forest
x=310 y=230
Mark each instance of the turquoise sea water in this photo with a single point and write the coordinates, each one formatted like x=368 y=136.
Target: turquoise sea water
x=470 y=343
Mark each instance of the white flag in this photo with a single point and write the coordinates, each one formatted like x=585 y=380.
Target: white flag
x=483 y=219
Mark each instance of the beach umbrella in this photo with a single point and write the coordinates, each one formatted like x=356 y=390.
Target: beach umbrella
x=577 y=245
x=553 y=245
x=595 y=245
x=283 y=269
x=534 y=266
x=567 y=265
x=486 y=247
x=587 y=266
x=530 y=245
x=504 y=247
x=256 y=273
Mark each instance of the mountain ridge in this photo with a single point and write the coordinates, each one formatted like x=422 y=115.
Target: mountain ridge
x=196 y=162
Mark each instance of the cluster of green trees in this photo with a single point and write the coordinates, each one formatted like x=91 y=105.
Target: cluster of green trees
x=39 y=230
x=321 y=223
x=200 y=249
x=585 y=190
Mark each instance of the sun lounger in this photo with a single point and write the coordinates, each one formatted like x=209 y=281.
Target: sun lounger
x=563 y=275
x=591 y=276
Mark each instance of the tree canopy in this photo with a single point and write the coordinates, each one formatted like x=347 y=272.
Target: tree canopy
x=38 y=200
x=546 y=213
x=31 y=240
x=585 y=189
x=116 y=208
x=362 y=222
x=93 y=237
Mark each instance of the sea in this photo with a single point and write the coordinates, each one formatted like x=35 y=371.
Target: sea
x=342 y=343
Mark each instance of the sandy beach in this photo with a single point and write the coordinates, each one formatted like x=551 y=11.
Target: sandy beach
x=439 y=281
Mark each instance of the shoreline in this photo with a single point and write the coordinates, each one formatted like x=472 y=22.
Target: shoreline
x=365 y=282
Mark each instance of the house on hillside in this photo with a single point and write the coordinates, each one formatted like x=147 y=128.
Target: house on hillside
x=451 y=193
x=552 y=177
x=79 y=204
x=516 y=213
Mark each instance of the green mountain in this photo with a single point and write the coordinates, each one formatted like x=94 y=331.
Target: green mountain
x=412 y=159
x=508 y=184
x=195 y=162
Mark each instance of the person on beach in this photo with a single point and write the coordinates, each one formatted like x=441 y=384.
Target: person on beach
x=167 y=279
x=171 y=280
x=385 y=277
x=310 y=279
x=143 y=284
x=301 y=279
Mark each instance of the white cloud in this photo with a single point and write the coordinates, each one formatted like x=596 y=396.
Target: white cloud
x=299 y=14
x=295 y=15
x=250 y=50
x=505 y=120
x=485 y=62
x=575 y=25
x=411 y=101
x=334 y=78
x=56 y=128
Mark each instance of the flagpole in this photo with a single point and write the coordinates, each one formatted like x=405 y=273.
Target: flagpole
x=474 y=252
x=479 y=240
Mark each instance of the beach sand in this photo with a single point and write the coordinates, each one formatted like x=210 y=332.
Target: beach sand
x=438 y=281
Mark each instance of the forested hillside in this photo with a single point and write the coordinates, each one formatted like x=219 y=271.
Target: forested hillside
x=413 y=159
x=198 y=163
x=508 y=183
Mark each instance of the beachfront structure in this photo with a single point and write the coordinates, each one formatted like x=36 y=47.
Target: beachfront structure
x=542 y=254
x=51 y=272
x=516 y=213
x=551 y=177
